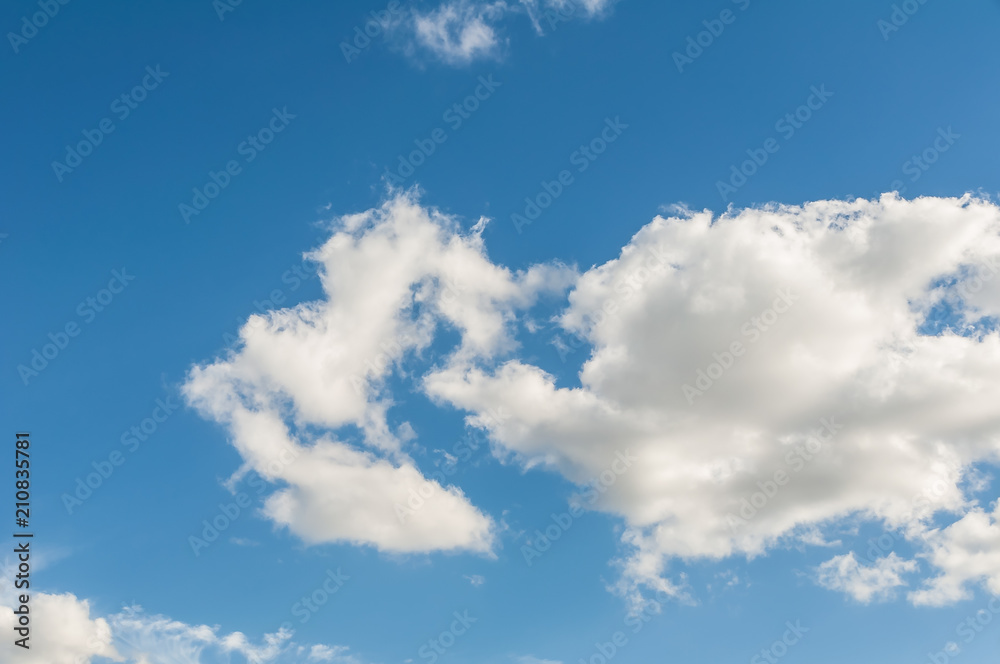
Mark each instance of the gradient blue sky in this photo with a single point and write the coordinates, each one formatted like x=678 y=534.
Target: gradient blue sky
x=195 y=283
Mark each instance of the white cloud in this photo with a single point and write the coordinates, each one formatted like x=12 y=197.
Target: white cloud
x=739 y=447
x=864 y=583
x=531 y=659
x=243 y=541
x=855 y=280
x=458 y=32
x=571 y=8
x=391 y=276
x=153 y=639
x=63 y=631
x=321 y=653
x=965 y=552
x=158 y=639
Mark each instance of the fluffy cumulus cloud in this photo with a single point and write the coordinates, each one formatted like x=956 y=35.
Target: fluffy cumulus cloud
x=393 y=276
x=458 y=32
x=770 y=371
x=72 y=635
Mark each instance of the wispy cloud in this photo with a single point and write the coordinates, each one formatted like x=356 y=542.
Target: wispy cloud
x=459 y=32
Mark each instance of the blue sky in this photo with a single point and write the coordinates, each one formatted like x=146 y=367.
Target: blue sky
x=587 y=115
